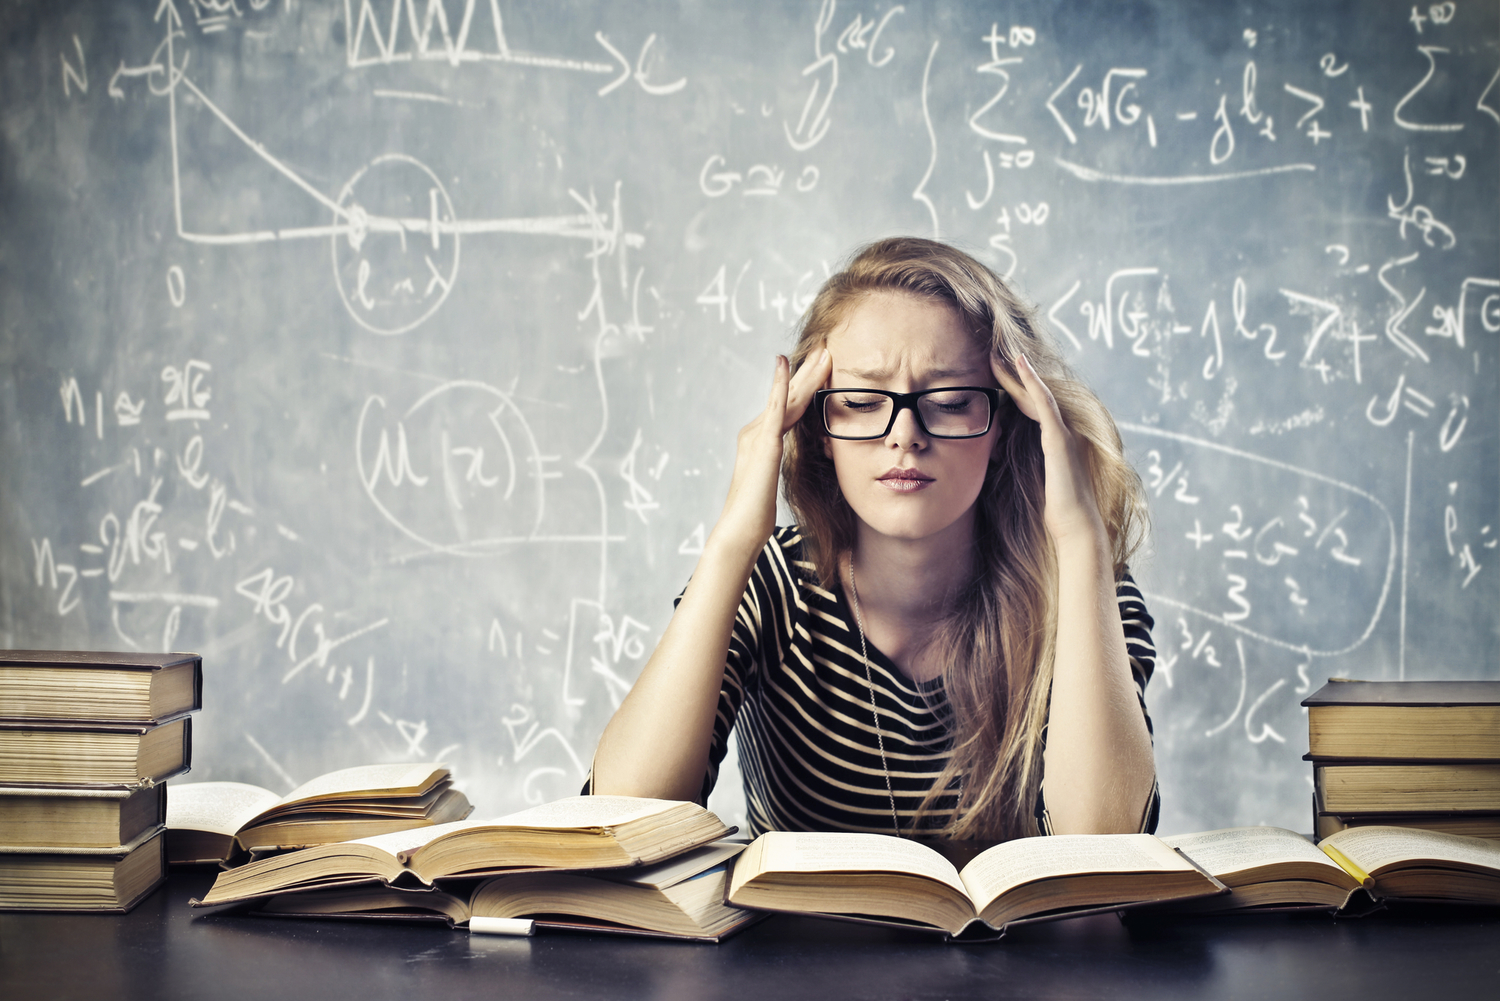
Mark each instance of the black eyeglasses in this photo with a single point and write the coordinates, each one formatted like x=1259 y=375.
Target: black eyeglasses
x=948 y=412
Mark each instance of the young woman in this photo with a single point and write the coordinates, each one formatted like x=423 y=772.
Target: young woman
x=947 y=642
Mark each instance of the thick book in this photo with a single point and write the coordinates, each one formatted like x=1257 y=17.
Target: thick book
x=102 y=687
x=1404 y=863
x=209 y=821
x=82 y=879
x=1405 y=720
x=891 y=880
x=1474 y=825
x=682 y=897
x=93 y=754
x=1389 y=787
x=1267 y=868
x=50 y=817
x=580 y=832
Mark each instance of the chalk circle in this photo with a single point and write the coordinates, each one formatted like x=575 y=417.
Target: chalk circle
x=456 y=472
x=393 y=260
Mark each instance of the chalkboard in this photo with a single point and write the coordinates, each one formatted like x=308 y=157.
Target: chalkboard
x=390 y=352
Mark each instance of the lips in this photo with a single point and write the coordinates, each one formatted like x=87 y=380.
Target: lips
x=905 y=480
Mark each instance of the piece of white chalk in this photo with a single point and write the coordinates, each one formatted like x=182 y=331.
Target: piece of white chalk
x=501 y=926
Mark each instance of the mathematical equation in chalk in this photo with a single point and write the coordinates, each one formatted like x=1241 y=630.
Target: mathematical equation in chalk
x=1286 y=555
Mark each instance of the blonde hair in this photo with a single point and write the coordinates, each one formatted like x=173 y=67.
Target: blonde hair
x=997 y=645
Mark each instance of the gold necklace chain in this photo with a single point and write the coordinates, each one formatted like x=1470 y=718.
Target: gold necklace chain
x=864 y=650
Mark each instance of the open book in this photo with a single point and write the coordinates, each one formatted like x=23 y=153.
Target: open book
x=206 y=819
x=1405 y=863
x=1265 y=867
x=682 y=897
x=892 y=880
x=581 y=832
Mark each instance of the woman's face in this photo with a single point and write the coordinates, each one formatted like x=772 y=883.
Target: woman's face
x=909 y=485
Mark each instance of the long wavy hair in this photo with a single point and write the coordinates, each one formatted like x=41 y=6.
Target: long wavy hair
x=998 y=643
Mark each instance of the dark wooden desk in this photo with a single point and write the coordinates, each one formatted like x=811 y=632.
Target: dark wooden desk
x=163 y=951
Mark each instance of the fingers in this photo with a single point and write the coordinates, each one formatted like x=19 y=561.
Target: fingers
x=778 y=384
x=807 y=381
x=1030 y=393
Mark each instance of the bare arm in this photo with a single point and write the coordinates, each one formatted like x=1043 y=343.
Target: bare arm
x=657 y=743
x=1099 y=764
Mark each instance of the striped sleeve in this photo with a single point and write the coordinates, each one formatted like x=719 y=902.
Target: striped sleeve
x=759 y=635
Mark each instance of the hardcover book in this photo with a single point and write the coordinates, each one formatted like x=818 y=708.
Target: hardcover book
x=1405 y=720
x=103 y=687
x=54 y=817
x=82 y=879
x=60 y=753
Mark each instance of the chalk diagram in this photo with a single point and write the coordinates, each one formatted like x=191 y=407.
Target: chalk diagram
x=394 y=233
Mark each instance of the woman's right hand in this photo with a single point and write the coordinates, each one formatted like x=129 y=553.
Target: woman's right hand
x=749 y=515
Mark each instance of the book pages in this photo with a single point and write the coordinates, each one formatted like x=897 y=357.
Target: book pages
x=587 y=811
x=1235 y=849
x=1026 y=860
x=1376 y=848
x=216 y=807
x=833 y=852
x=397 y=842
x=363 y=779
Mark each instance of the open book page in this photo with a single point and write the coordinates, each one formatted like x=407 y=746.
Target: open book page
x=1026 y=860
x=352 y=782
x=784 y=851
x=410 y=840
x=217 y=807
x=680 y=867
x=1237 y=849
x=587 y=811
x=1377 y=848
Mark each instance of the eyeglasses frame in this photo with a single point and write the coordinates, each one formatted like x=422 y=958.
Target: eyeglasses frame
x=908 y=401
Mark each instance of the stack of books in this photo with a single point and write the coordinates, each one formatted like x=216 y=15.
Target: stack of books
x=1419 y=754
x=587 y=863
x=86 y=739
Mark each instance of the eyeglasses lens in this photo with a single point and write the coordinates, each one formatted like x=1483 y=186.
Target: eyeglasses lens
x=949 y=413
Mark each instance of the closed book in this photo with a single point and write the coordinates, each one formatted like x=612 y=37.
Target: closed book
x=1473 y=825
x=1388 y=787
x=82 y=879
x=102 y=687
x=1405 y=720
x=93 y=754
x=34 y=817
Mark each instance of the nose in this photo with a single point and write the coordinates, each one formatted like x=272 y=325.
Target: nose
x=906 y=432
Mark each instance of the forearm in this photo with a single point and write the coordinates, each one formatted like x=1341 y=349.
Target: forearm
x=657 y=743
x=1099 y=767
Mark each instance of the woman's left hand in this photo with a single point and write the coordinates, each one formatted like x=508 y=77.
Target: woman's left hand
x=1071 y=512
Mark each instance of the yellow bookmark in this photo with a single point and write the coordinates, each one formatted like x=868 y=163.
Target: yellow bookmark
x=1347 y=864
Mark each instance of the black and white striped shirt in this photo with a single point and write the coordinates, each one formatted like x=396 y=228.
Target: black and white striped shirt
x=794 y=683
